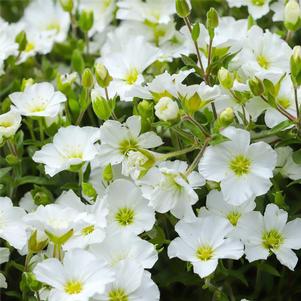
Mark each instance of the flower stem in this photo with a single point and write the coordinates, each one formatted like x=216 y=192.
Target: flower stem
x=177 y=153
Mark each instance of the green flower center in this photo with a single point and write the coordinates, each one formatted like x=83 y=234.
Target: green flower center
x=132 y=76
x=283 y=102
x=263 y=62
x=128 y=145
x=240 y=165
x=204 y=253
x=73 y=287
x=258 y=2
x=118 y=295
x=233 y=217
x=272 y=240
x=125 y=216
x=88 y=230
x=6 y=124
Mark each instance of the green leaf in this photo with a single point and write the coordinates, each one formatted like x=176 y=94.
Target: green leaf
x=297 y=156
x=265 y=267
x=35 y=180
x=195 y=31
x=4 y=171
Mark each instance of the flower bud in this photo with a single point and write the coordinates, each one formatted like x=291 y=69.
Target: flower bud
x=65 y=81
x=41 y=196
x=227 y=116
x=292 y=14
x=256 y=86
x=166 y=109
x=212 y=21
x=296 y=65
x=182 y=8
x=107 y=173
x=26 y=82
x=102 y=107
x=88 y=190
x=86 y=20
x=35 y=243
x=21 y=40
x=225 y=78
x=67 y=5
x=87 y=79
x=102 y=75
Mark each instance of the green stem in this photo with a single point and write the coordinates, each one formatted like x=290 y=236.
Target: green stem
x=197 y=158
x=177 y=153
x=41 y=129
x=200 y=126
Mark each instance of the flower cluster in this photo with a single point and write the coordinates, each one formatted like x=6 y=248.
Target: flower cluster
x=150 y=150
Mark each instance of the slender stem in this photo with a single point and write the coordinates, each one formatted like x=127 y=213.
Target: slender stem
x=297 y=103
x=41 y=128
x=197 y=158
x=200 y=126
x=73 y=24
x=12 y=147
x=38 y=296
x=27 y=261
x=188 y=24
x=244 y=115
x=177 y=153
x=87 y=43
x=82 y=112
x=107 y=94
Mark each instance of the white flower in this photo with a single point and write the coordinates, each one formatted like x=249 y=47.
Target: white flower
x=216 y=205
x=71 y=146
x=128 y=210
x=90 y=229
x=79 y=277
x=53 y=219
x=45 y=16
x=126 y=66
x=166 y=109
x=4 y=256
x=120 y=245
x=203 y=241
x=154 y=11
x=27 y=202
x=132 y=283
x=243 y=169
x=257 y=8
x=264 y=235
x=38 y=100
x=9 y=123
x=263 y=53
x=12 y=229
x=169 y=189
x=103 y=11
x=286 y=165
x=118 y=139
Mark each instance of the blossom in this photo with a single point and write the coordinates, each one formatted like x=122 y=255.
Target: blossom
x=243 y=169
x=12 y=228
x=79 y=277
x=4 y=256
x=118 y=139
x=270 y=233
x=72 y=146
x=128 y=210
x=166 y=109
x=168 y=188
x=132 y=283
x=38 y=100
x=9 y=123
x=203 y=241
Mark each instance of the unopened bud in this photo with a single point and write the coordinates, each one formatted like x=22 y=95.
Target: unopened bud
x=182 y=8
x=107 y=173
x=212 y=21
x=227 y=116
x=67 y=5
x=102 y=75
x=296 y=65
x=256 y=86
x=87 y=79
x=292 y=15
x=102 y=107
x=225 y=78
x=21 y=40
x=77 y=61
x=167 y=109
x=86 y=20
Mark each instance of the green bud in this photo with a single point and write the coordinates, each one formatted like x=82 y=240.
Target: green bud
x=225 y=78
x=145 y=108
x=21 y=40
x=86 y=20
x=227 y=116
x=107 y=174
x=65 y=81
x=26 y=83
x=182 y=8
x=292 y=14
x=102 y=75
x=34 y=245
x=296 y=66
x=41 y=196
x=212 y=21
x=12 y=159
x=77 y=61
x=102 y=107
x=87 y=79
x=89 y=190
x=67 y=5
x=256 y=86
x=211 y=185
